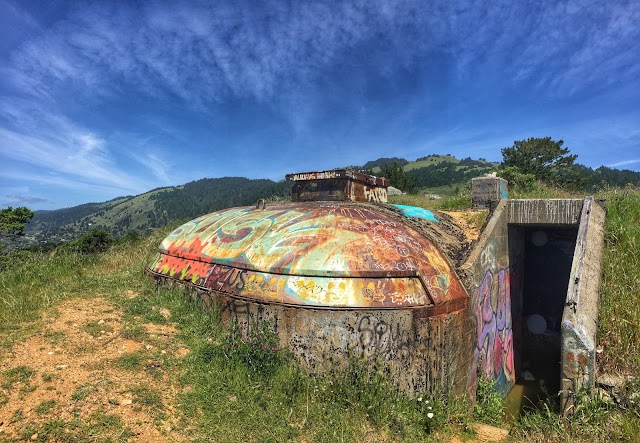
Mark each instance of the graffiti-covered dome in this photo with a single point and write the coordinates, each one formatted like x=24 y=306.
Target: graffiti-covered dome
x=319 y=254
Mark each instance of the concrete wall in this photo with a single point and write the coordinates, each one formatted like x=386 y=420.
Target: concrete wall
x=488 y=331
x=580 y=319
x=487 y=191
x=418 y=353
x=550 y=211
x=492 y=267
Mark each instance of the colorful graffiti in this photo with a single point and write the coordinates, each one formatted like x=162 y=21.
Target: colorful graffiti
x=375 y=194
x=504 y=192
x=493 y=354
x=321 y=175
x=291 y=289
x=416 y=212
x=334 y=255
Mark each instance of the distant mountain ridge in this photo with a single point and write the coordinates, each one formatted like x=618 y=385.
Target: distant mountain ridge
x=158 y=207
x=153 y=209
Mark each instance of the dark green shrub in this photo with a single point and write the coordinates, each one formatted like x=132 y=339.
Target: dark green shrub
x=98 y=240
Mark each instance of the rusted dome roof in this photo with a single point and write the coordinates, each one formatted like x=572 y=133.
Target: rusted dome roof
x=316 y=254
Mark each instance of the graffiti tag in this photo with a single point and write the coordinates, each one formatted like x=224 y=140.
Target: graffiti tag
x=377 y=336
x=493 y=354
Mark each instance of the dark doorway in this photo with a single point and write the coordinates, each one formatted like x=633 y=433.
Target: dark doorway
x=541 y=258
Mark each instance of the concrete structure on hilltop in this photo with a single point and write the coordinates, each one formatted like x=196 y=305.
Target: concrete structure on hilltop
x=340 y=274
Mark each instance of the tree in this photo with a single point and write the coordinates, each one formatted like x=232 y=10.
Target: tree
x=395 y=174
x=543 y=158
x=13 y=221
x=98 y=240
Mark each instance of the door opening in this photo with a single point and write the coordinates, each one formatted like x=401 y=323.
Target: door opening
x=541 y=258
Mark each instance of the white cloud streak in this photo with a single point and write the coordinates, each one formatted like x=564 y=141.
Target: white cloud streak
x=56 y=146
x=624 y=163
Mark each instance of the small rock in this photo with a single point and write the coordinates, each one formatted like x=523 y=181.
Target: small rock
x=126 y=402
x=50 y=353
x=34 y=437
x=163 y=352
x=233 y=398
x=604 y=395
x=181 y=352
x=101 y=322
x=490 y=433
x=611 y=381
x=165 y=313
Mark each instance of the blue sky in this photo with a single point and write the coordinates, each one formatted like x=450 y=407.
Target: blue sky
x=103 y=99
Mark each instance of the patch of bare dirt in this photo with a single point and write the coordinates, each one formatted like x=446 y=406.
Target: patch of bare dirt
x=70 y=370
x=484 y=434
x=467 y=221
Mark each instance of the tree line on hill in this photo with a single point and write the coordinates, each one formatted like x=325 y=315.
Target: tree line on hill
x=153 y=209
x=524 y=164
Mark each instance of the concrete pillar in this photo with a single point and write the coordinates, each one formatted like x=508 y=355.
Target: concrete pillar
x=487 y=191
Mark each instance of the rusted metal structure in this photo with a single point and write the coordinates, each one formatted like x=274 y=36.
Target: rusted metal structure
x=335 y=264
x=320 y=255
x=338 y=185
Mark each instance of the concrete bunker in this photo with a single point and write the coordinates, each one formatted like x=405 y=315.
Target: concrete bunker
x=536 y=328
x=341 y=274
x=338 y=273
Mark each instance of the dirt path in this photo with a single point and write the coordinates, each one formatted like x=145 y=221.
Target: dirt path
x=82 y=374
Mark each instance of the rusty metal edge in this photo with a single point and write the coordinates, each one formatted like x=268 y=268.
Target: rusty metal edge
x=419 y=311
x=304 y=273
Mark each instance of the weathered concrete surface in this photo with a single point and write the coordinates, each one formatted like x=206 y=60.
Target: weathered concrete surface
x=556 y=212
x=418 y=354
x=487 y=191
x=489 y=333
x=580 y=318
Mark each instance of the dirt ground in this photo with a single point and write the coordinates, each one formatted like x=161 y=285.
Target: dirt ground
x=80 y=366
x=468 y=222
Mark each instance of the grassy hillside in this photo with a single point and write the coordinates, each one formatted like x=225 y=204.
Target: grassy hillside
x=156 y=208
x=430 y=161
x=90 y=351
x=153 y=209
x=440 y=174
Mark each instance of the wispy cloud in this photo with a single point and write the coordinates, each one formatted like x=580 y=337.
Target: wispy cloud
x=16 y=199
x=56 y=146
x=623 y=163
x=205 y=54
x=152 y=161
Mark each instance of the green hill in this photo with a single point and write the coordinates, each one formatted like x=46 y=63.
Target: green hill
x=433 y=174
x=437 y=173
x=160 y=206
x=152 y=209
